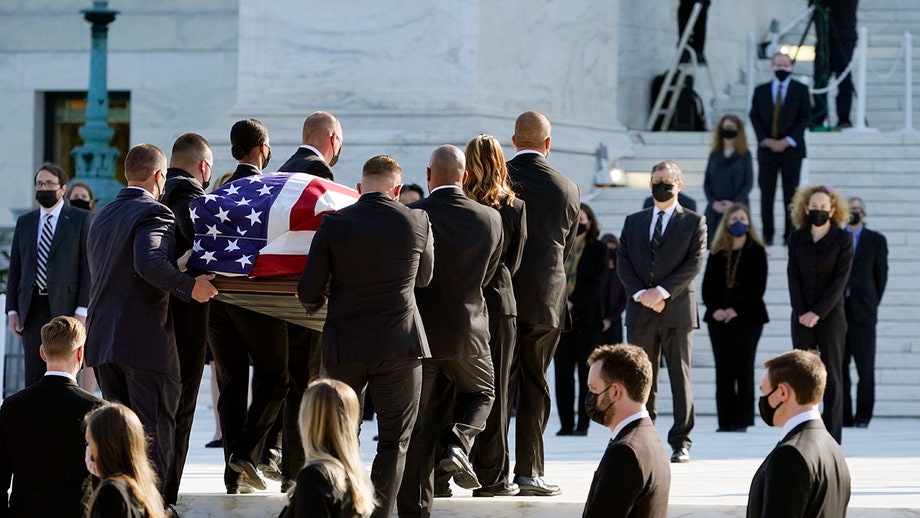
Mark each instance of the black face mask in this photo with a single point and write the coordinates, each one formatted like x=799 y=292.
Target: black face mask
x=582 y=228
x=855 y=218
x=767 y=412
x=729 y=133
x=268 y=158
x=782 y=74
x=335 y=159
x=662 y=192
x=80 y=204
x=46 y=199
x=596 y=414
x=205 y=184
x=818 y=217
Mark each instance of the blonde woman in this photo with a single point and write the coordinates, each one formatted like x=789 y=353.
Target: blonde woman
x=116 y=452
x=820 y=256
x=333 y=482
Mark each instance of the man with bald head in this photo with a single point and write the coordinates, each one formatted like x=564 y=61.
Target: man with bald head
x=467 y=242
x=321 y=144
x=539 y=288
x=373 y=336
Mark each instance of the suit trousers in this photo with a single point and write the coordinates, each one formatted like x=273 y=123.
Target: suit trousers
x=472 y=381
x=396 y=387
x=733 y=346
x=860 y=346
x=772 y=165
x=190 y=321
x=676 y=344
x=536 y=345
x=572 y=356
x=39 y=315
x=490 y=456
x=153 y=396
x=304 y=363
x=236 y=335
x=828 y=338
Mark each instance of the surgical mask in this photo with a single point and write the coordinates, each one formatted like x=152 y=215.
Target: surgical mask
x=80 y=204
x=662 y=192
x=335 y=159
x=729 y=133
x=738 y=228
x=206 y=184
x=855 y=218
x=818 y=217
x=782 y=73
x=268 y=158
x=767 y=412
x=596 y=414
x=46 y=199
x=582 y=228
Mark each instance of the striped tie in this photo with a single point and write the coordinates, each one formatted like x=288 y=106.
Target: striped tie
x=656 y=236
x=44 y=246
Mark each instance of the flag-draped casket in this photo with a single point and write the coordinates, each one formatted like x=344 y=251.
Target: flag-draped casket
x=255 y=233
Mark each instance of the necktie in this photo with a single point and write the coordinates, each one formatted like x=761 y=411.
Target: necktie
x=44 y=246
x=656 y=236
x=777 y=106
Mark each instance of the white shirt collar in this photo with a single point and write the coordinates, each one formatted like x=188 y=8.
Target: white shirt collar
x=798 y=419
x=527 y=152
x=61 y=373
x=445 y=187
x=313 y=149
x=629 y=419
x=54 y=211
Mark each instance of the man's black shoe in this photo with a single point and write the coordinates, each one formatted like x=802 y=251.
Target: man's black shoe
x=248 y=470
x=511 y=489
x=536 y=486
x=270 y=465
x=681 y=455
x=455 y=462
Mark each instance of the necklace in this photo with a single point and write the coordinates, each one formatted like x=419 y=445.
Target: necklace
x=731 y=268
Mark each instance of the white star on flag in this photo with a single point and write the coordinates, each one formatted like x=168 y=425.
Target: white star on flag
x=254 y=217
x=196 y=246
x=242 y=202
x=232 y=189
x=193 y=214
x=210 y=197
x=244 y=260
x=207 y=257
x=240 y=231
x=222 y=215
x=265 y=190
x=255 y=179
x=232 y=245
x=212 y=231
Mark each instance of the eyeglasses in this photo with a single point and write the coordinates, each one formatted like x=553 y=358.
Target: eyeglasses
x=50 y=184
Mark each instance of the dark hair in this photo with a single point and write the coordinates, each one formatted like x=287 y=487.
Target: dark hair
x=53 y=169
x=382 y=165
x=245 y=135
x=412 y=187
x=625 y=364
x=741 y=147
x=803 y=371
x=189 y=146
x=82 y=185
x=142 y=161
x=593 y=231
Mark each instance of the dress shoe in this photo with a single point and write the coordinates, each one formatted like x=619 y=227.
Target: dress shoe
x=455 y=462
x=581 y=431
x=216 y=443
x=535 y=486
x=511 y=489
x=681 y=455
x=248 y=470
x=242 y=488
x=564 y=432
x=443 y=493
x=860 y=425
x=270 y=464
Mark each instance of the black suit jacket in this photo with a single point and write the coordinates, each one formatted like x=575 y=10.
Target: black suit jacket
x=131 y=249
x=306 y=161
x=372 y=255
x=590 y=282
x=116 y=499
x=684 y=200
x=181 y=189
x=793 y=116
x=552 y=220
x=746 y=298
x=500 y=291
x=868 y=277
x=634 y=477
x=68 y=270
x=805 y=476
x=675 y=266
x=316 y=497
x=467 y=254
x=818 y=272
x=242 y=171
x=41 y=427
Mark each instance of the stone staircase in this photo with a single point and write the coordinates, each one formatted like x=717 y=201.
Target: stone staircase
x=880 y=168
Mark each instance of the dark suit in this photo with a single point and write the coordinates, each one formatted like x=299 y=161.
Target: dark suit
x=490 y=455
x=468 y=248
x=190 y=321
x=116 y=499
x=634 y=478
x=305 y=160
x=805 y=476
x=868 y=277
x=132 y=345
x=793 y=119
x=372 y=255
x=539 y=289
x=673 y=267
x=68 y=278
x=237 y=336
x=315 y=496
x=817 y=275
x=42 y=448
x=576 y=344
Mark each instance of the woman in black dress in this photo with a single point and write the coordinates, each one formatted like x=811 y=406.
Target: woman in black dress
x=820 y=256
x=733 y=288
x=729 y=174
x=586 y=273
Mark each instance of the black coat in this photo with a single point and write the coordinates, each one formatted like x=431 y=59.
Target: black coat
x=868 y=277
x=306 y=161
x=818 y=272
x=315 y=496
x=590 y=280
x=746 y=298
x=500 y=291
x=793 y=116
x=181 y=189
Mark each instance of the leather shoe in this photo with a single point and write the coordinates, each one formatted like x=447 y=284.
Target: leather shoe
x=248 y=470
x=581 y=431
x=681 y=455
x=535 y=487
x=270 y=464
x=564 y=432
x=455 y=462
x=860 y=424
x=242 y=488
x=216 y=443
x=286 y=484
x=511 y=489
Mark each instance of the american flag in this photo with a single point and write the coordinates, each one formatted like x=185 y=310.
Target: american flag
x=262 y=225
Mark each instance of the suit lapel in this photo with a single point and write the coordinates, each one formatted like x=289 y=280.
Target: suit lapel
x=61 y=231
x=672 y=224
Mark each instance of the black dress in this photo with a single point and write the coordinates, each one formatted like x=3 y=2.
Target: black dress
x=115 y=499
x=315 y=496
x=736 y=279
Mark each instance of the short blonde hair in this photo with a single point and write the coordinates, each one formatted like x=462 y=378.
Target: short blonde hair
x=798 y=209
x=61 y=337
